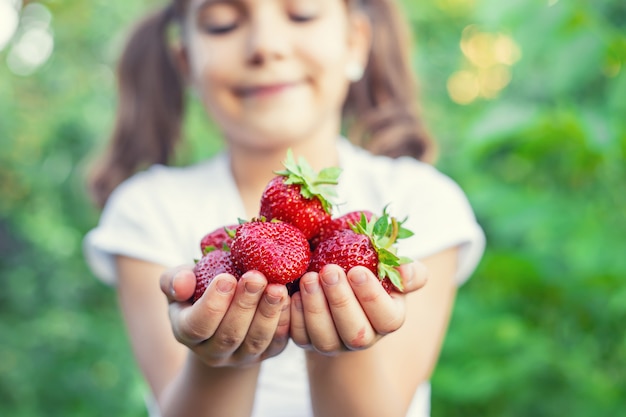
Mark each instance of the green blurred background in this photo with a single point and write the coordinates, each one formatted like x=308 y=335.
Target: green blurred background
x=528 y=102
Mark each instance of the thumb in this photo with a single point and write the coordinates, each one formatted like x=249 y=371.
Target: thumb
x=178 y=284
x=414 y=276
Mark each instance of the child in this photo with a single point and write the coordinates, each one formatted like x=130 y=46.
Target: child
x=277 y=75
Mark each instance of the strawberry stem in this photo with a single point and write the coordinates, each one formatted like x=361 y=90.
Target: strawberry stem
x=383 y=233
x=394 y=232
x=312 y=185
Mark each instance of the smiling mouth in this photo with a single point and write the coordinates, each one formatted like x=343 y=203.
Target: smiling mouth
x=263 y=90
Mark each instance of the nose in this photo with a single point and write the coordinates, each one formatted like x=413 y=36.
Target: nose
x=268 y=38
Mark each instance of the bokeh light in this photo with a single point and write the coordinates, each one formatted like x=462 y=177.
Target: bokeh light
x=9 y=19
x=32 y=42
x=489 y=58
x=463 y=87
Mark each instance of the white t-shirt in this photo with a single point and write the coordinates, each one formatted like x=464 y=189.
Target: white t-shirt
x=161 y=214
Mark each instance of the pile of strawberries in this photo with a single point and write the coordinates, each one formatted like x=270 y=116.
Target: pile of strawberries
x=296 y=233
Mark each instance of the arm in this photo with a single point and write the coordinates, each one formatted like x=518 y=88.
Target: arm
x=381 y=376
x=212 y=362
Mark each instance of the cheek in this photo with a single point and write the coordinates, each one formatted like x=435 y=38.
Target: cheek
x=328 y=54
x=212 y=77
x=329 y=77
x=207 y=68
x=330 y=59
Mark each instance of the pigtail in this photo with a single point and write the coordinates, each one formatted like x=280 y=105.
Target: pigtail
x=381 y=108
x=150 y=108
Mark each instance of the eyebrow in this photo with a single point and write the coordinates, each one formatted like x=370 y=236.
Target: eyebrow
x=238 y=4
x=206 y=3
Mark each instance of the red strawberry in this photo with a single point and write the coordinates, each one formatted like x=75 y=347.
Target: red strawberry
x=347 y=249
x=300 y=196
x=218 y=238
x=340 y=223
x=208 y=267
x=368 y=243
x=278 y=250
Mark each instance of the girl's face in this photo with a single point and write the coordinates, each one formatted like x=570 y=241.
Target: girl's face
x=272 y=72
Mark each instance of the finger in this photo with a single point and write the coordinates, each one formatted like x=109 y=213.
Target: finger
x=298 y=326
x=385 y=313
x=193 y=324
x=414 y=276
x=234 y=327
x=281 y=335
x=350 y=320
x=317 y=316
x=265 y=322
x=178 y=284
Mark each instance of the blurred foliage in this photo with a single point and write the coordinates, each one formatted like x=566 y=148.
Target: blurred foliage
x=538 y=143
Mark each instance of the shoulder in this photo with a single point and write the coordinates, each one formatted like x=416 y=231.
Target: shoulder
x=399 y=179
x=155 y=215
x=435 y=207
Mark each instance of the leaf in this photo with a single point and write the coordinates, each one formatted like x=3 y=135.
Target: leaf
x=392 y=273
x=328 y=176
x=404 y=233
x=209 y=249
x=312 y=184
x=381 y=226
x=388 y=257
x=405 y=260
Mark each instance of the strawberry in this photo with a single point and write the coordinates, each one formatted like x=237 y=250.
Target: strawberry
x=367 y=243
x=300 y=196
x=340 y=223
x=218 y=238
x=213 y=263
x=277 y=249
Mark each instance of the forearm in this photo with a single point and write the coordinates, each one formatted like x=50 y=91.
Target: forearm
x=200 y=390
x=382 y=380
x=358 y=384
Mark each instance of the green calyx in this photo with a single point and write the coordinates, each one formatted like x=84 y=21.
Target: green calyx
x=384 y=232
x=312 y=184
x=212 y=248
x=230 y=232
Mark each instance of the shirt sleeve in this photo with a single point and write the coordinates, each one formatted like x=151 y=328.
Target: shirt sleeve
x=132 y=224
x=440 y=215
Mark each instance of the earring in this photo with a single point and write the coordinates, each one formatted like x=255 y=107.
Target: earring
x=354 y=72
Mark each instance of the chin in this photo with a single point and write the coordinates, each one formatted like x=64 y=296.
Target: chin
x=282 y=127
x=269 y=139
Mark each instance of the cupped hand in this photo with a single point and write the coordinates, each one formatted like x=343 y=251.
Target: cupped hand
x=234 y=323
x=335 y=311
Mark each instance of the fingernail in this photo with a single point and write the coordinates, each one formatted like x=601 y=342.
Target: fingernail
x=330 y=277
x=358 y=277
x=411 y=275
x=253 y=287
x=225 y=286
x=273 y=299
x=297 y=302
x=173 y=286
x=311 y=287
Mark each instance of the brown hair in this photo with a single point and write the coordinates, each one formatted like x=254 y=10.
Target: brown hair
x=381 y=109
x=150 y=109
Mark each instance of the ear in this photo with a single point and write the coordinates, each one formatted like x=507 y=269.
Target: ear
x=180 y=56
x=359 y=39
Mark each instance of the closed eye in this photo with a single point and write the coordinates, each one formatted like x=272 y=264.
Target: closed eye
x=302 y=18
x=220 y=17
x=220 y=30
